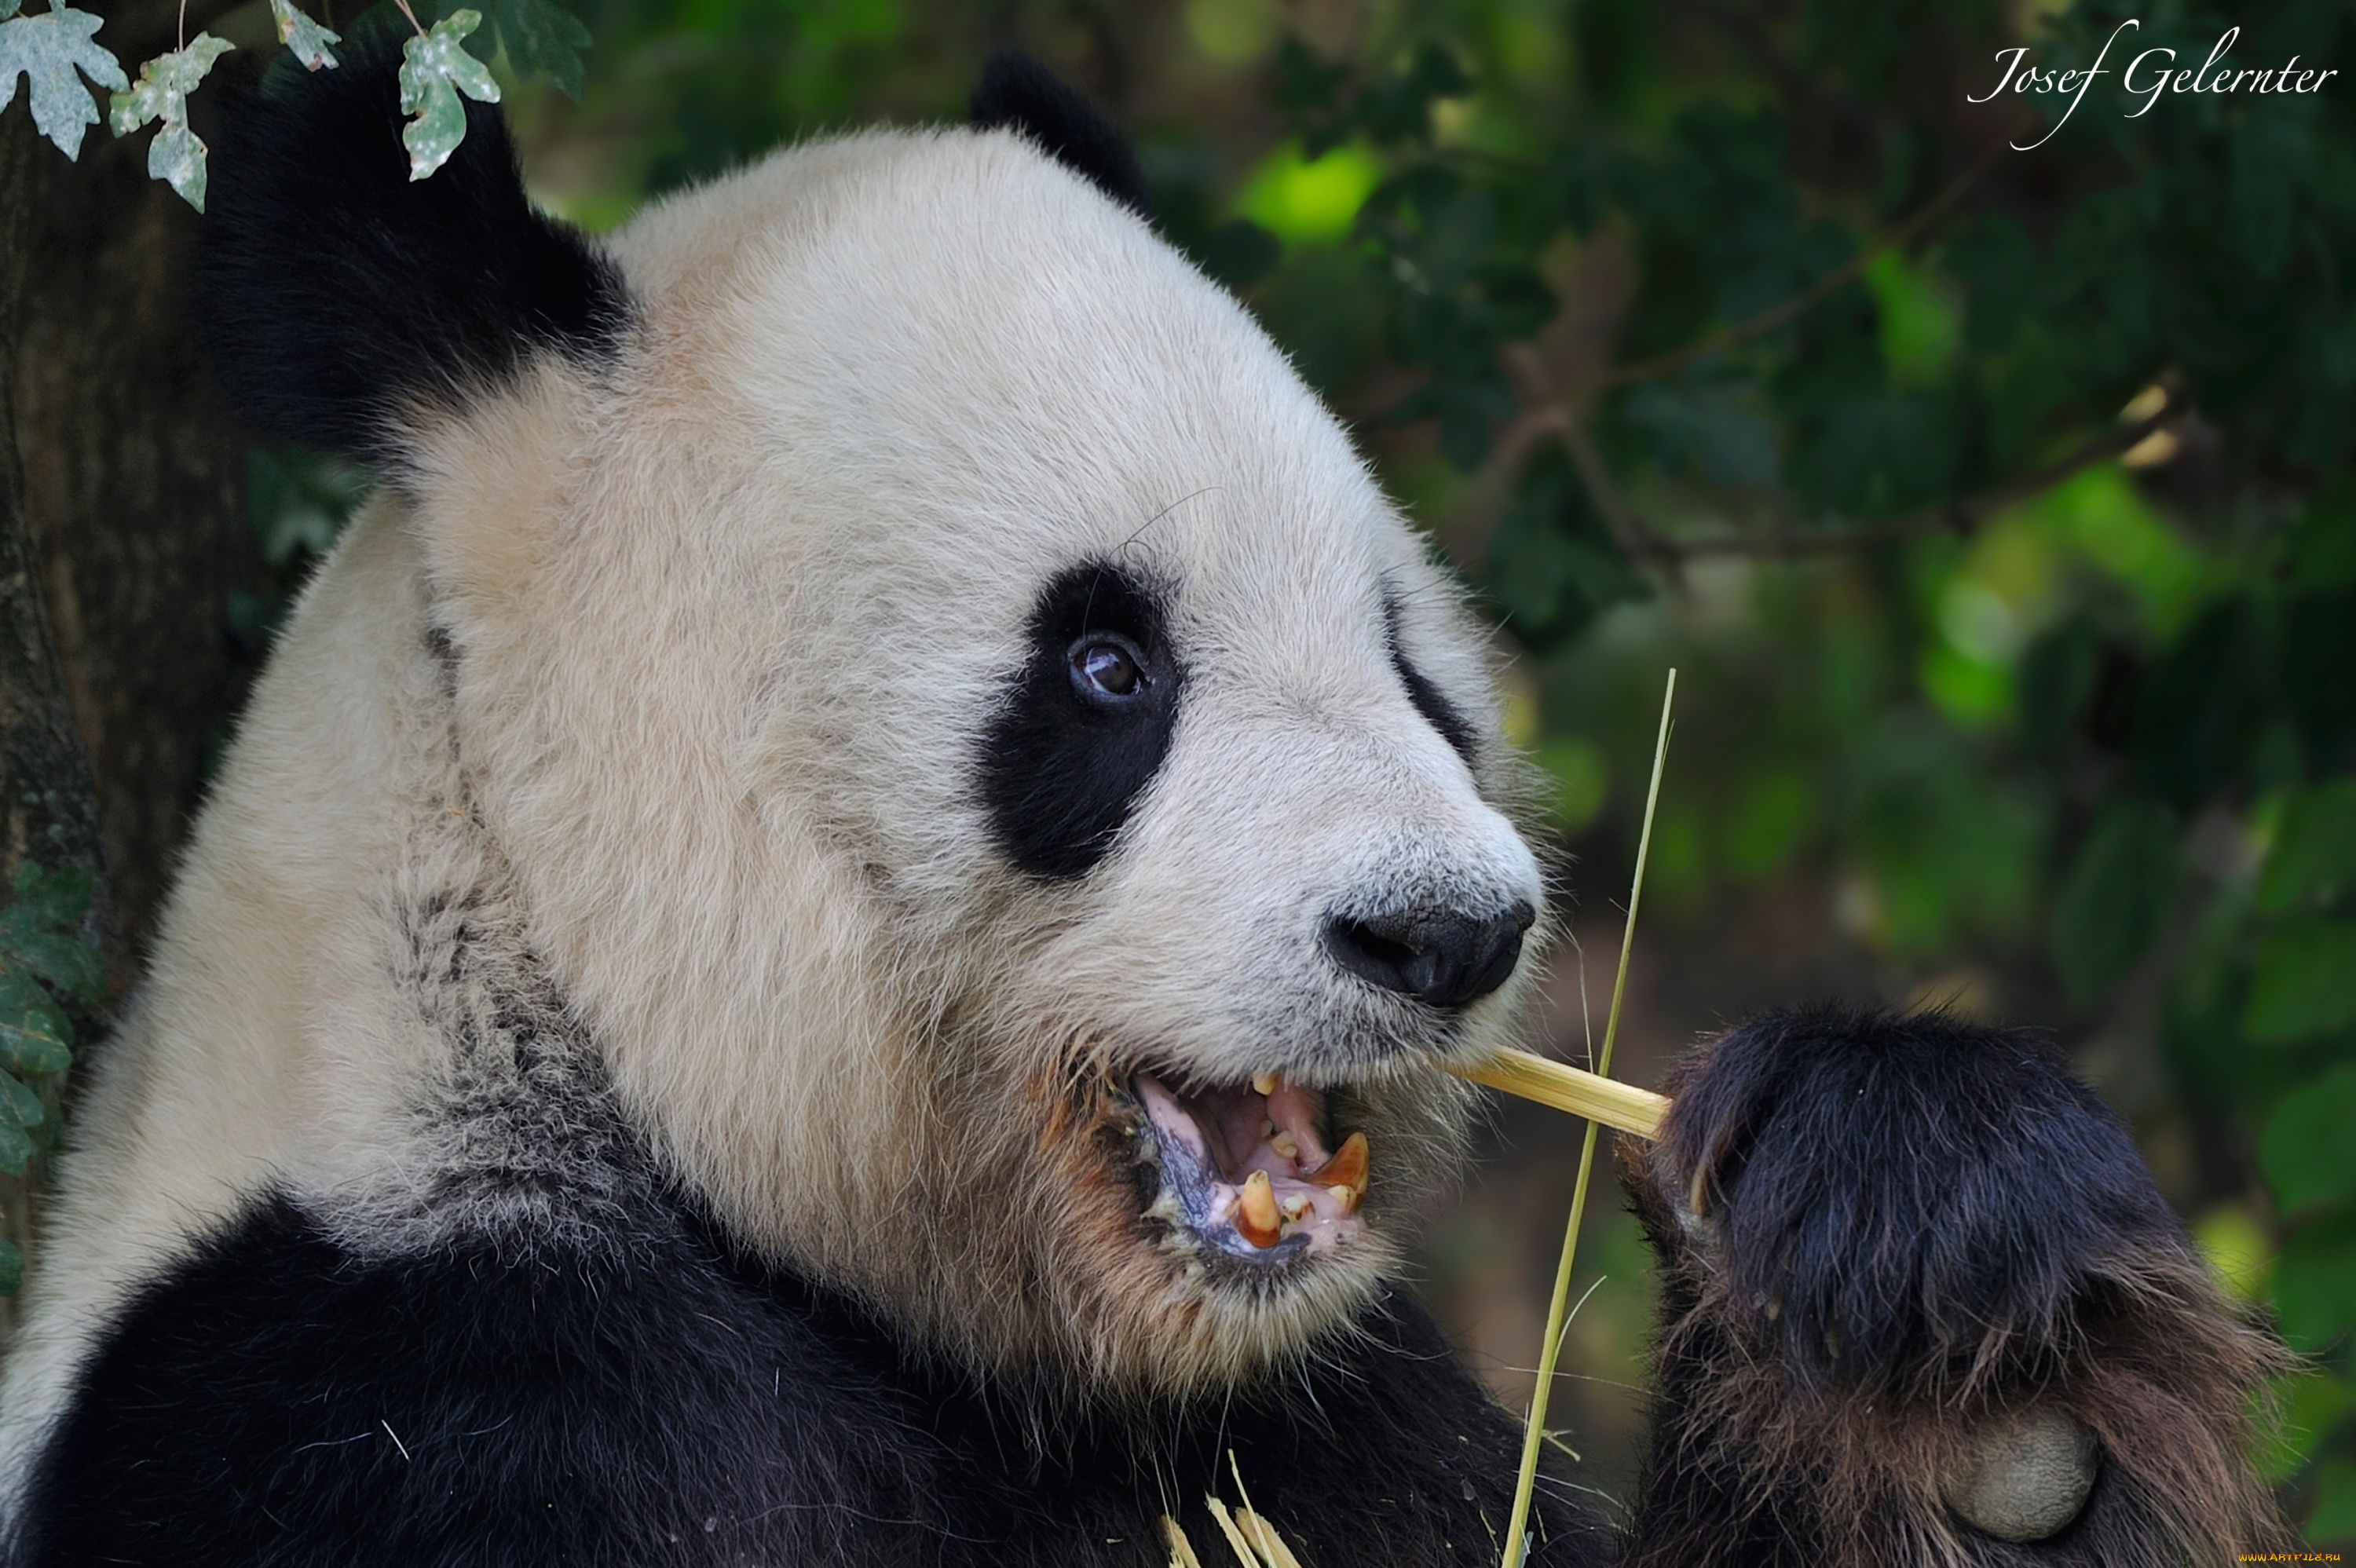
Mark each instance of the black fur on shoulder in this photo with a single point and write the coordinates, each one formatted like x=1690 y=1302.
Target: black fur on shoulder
x=660 y=1401
x=1885 y=1241
x=1019 y=93
x=335 y=291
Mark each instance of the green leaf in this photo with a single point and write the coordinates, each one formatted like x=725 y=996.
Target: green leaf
x=72 y=966
x=177 y=155
x=2315 y=1282
x=2308 y=1149
x=2114 y=897
x=1398 y=108
x=47 y=50
x=2313 y=1404
x=1718 y=430
x=299 y=502
x=2201 y=706
x=1921 y=323
x=12 y=1269
x=2318 y=670
x=436 y=69
x=2306 y=982
x=2332 y=1515
x=19 y=1106
x=2057 y=680
x=2313 y=861
x=1768 y=824
x=1303 y=82
x=541 y=36
x=16 y=1148
x=303 y=38
x=1997 y=263
x=34 y=1037
x=2321 y=546
x=1239 y=253
x=51 y=900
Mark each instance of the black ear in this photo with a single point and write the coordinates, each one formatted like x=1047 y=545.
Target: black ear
x=1018 y=93
x=334 y=292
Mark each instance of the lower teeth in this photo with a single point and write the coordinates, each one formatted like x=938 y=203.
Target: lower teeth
x=1257 y=1217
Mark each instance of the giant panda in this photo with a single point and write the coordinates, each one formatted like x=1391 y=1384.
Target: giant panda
x=827 y=939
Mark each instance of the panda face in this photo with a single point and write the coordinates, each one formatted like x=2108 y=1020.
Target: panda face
x=1016 y=803
x=1388 y=904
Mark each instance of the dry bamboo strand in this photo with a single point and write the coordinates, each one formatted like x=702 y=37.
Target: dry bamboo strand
x=1264 y=1538
x=1181 y=1551
x=1242 y=1551
x=1526 y=1483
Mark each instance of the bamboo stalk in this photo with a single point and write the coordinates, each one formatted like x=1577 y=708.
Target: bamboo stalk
x=1621 y=1106
x=1517 y=1528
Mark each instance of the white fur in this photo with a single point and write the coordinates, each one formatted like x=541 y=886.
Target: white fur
x=727 y=620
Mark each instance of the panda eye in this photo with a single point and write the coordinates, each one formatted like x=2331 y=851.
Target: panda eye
x=1107 y=669
x=1085 y=724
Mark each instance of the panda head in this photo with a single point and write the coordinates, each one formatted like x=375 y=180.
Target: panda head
x=1014 y=803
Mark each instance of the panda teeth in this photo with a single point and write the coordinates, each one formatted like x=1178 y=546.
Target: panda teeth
x=1246 y=1173
x=1347 y=1168
x=1257 y=1218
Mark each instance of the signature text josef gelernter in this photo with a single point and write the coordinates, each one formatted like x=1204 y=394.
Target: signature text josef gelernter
x=2150 y=73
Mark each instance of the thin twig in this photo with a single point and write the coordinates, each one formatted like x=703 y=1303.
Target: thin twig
x=1546 y=413
x=1631 y=533
x=412 y=16
x=1777 y=314
x=1548 y=409
x=1525 y=1483
x=1550 y=413
x=1958 y=517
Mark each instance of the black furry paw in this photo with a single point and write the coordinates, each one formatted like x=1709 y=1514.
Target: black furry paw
x=1922 y=1303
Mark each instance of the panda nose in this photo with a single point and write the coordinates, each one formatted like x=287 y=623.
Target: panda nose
x=1440 y=957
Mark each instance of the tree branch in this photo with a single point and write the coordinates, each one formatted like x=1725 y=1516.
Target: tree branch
x=1551 y=410
x=1958 y=517
x=1548 y=413
x=1777 y=314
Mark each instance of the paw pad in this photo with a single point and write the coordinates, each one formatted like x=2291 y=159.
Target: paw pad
x=2027 y=1478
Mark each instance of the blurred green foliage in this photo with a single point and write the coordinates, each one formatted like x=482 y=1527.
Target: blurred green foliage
x=2000 y=507
x=49 y=972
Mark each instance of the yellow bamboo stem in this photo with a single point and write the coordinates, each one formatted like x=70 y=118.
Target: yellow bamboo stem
x=1621 y=1106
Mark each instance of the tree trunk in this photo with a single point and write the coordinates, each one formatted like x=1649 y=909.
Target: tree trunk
x=122 y=526
x=51 y=809
x=134 y=483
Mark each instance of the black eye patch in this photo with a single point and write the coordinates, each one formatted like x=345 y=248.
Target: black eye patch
x=1437 y=712
x=1086 y=724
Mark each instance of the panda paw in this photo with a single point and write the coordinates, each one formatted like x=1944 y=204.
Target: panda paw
x=1922 y=1303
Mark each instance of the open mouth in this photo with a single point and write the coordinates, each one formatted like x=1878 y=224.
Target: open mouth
x=1245 y=1168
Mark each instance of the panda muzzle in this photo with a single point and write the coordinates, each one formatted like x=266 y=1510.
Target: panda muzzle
x=1245 y=1167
